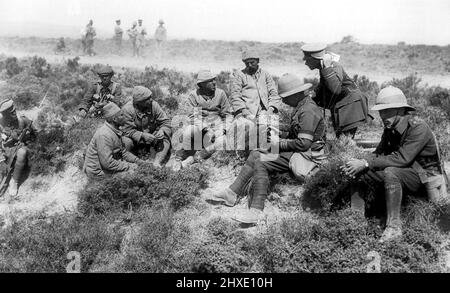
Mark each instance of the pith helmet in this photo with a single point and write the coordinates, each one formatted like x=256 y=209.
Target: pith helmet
x=110 y=109
x=249 y=54
x=315 y=50
x=391 y=97
x=289 y=84
x=161 y=21
x=105 y=70
x=6 y=105
x=205 y=75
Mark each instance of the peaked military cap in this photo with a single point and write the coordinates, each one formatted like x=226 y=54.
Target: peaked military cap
x=315 y=50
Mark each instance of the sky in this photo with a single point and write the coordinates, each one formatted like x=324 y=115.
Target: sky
x=369 y=21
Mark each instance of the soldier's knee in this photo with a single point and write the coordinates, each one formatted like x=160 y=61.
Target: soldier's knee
x=392 y=173
x=253 y=157
x=128 y=143
x=22 y=154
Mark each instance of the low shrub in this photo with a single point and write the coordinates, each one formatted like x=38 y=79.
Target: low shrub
x=42 y=245
x=145 y=186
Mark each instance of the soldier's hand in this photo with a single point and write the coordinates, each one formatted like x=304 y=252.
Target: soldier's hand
x=354 y=167
x=159 y=135
x=148 y=138
x=326 y=60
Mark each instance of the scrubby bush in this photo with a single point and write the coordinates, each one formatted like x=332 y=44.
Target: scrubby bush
x=329 y=186
x=42 y=245
x=343 y=242
x=12 y=67
x=145 y=186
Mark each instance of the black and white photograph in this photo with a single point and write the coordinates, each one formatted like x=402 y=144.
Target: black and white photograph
x=224 y=136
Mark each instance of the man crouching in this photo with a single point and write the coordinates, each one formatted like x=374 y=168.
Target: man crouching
x=106 y=153
x=301 y=151
x=405 y=160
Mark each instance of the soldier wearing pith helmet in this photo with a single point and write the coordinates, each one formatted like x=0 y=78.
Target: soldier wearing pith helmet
x=101 y=92
x=301 y=151
x=336 y=90
x=406 y=161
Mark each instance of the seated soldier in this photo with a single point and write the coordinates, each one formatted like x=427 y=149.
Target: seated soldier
x=301 y=151
x=406 y=157
x=210 y=107
x=106 y=153
x=12 y=127
x=146 y=125
x=100 y=93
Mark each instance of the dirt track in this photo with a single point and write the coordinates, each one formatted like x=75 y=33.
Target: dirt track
x=191 y=65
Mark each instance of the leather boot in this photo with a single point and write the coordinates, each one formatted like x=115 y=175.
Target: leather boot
x=226 y=196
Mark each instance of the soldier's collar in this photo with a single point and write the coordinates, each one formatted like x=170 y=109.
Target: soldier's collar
x=301 y=104
x=402 y=124
x=115 y=130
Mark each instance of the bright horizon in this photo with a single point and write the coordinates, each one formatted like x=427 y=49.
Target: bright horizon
x=381 y=21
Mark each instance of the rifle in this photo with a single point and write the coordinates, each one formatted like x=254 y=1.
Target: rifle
x=9 y=169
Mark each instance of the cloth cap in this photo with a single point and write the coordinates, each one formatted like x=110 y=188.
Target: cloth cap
x=289 y=84
x=205 y=75
x=315 y=50
x=161 y=21
x=389 y=98
x=249 y=54
x=6 y=105
x=140 y=20
x=110 y=109
x=118 y=20
x=141 y=93
x=105 y=70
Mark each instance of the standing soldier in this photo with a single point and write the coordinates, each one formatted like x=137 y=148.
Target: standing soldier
x=336 y=91
x=90 y=35
x=106 y=153
x=100 y=93
x=160 y=34
x=406 y=161
x=118 y=35
x=133 y=34
x=142 y=32
x=210 y=110
x=16 y=133
x=301 y=151
x=147 y=125
x=253 y=94
x=83 y=39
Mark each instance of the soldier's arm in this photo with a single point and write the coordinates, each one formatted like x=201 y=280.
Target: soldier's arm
x=237 y=102
x=162 y=119
x=332 y=78
x=87 y=99
x=129 y=157
x=105 y=154
x=129 y=127
x=416 y=139
x=225 y=106
x=304 y=129
x=274 y=99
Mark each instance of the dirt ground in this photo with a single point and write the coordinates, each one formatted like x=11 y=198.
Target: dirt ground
x=192 y=65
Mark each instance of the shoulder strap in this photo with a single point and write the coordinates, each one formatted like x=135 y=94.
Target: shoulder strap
x=113 y=89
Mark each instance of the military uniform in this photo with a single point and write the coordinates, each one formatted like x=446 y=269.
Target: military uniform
x=97 y=96
x=140 y=43
x=90 y=35
x=296 y=150
x=150 y=122
x=340 y=94
x=118 y=36
x=11 y=127
x=133 y=34
x=408 y=152
x=160 y=35
x=208 y=115
x=106 y=153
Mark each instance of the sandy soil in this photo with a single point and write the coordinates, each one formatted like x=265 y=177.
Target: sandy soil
x=190 y=65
